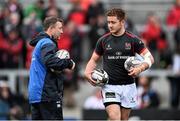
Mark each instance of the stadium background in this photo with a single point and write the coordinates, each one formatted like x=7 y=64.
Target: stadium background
x=151 y=20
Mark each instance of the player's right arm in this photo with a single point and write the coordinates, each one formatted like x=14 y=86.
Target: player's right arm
x=91 y=65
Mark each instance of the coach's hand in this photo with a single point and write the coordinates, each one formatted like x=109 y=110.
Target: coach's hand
x=90 y=80
x=73 y=66
x=134 y=72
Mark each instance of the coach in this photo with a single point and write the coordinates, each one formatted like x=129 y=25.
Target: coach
x=45 y=87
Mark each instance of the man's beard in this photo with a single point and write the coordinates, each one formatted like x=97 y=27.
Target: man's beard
x=56 y=37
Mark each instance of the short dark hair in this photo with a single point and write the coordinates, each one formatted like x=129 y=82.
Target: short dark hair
x=50 y=21
x=119 y=13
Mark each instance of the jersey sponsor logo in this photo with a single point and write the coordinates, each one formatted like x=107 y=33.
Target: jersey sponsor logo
x=108 y=47
x=118 y=53
x=110 y=95
x=127 y=46
x=117 y=57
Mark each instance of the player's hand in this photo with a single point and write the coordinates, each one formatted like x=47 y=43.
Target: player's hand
x=134 y=72
x=90 y=80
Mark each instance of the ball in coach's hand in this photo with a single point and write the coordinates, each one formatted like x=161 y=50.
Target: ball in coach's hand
x=100 y=76
x=62 y=54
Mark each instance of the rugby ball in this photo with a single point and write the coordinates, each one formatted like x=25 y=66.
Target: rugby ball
x=62 y=54
x=100 y=76
x=132 y=62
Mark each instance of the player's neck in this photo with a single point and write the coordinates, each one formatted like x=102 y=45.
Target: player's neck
x=119 y=33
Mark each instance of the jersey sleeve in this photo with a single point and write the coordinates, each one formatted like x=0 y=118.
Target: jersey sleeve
x=138 y=45
x=99 y=47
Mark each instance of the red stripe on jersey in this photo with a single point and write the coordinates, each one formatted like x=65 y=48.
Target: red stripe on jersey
x=130 y=34
x=142 y=50
x=105 y=35
x=133 y=47
x=103 y=45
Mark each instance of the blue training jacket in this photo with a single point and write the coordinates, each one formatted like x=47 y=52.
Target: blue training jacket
x=45 y=85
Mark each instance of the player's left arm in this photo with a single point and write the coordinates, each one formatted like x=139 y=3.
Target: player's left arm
x=148 y=60
x=142 y=50
x=146 y=64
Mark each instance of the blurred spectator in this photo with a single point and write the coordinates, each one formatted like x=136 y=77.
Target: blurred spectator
x=94 y=101
x=52 y=9
x=174 y=14
x=52 y=12
x=14 y=6
x=4 y=102
x=38 y=8
x=152 y=31
x=71 y=41
x=13 y=104
x=130 y=26
x=16 y=113
x=77 y=14
x=12 y=50
x=177 y=38
x=2 y=17
x=11 y=16
x=76 y=41
x=96 y=8
x=28 y=55
x=175 y=80
x=31 y=27
x=154 y=37
x=147 y=97
x=2 y=49
x=165 y=54
x=84 y=4
x=12 y=21
x=97 y=30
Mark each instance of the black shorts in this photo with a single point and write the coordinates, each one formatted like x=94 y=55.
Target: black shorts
x=47 y=111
